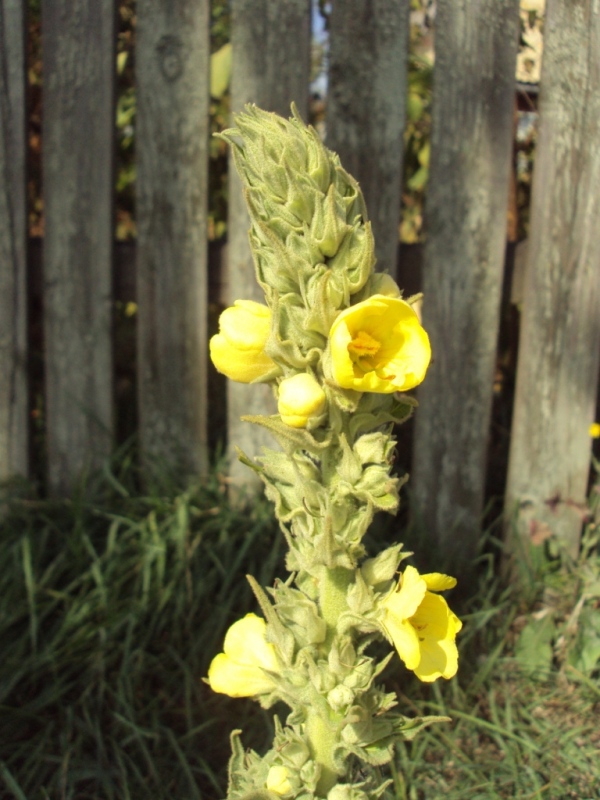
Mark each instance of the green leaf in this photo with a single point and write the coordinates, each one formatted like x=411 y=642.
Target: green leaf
x=220 y=71
x=418 y=180
x=534 y=646
x=414 y=107
x=585 y=654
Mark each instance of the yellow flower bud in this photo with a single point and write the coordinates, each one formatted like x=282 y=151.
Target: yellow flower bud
x=277 y=780
x=300 y=398
x=421 y=626
x=239 y=671
x=595 y=430
x=238 y=349
x=379 y=346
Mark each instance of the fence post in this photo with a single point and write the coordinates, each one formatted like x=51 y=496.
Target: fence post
x=13 y=238
x=172 y=62
x=559 y=347
x=466 y=218
x=79 y=66
x=271 y=67
x=366 y=108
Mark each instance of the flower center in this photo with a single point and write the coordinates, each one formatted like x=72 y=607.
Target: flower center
x=362 y=346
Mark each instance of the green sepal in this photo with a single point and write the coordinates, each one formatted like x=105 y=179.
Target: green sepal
x=328 y=226
x=243 y=771
x=398 y=410
x=300 y=615
x=383 y=566
x=244 y=459
x=407 y=728
x=348 y=187
x=360 y=595
x=236 y=764
x=374 y=448
x=354 y=261
x=290 y=439
x=277 y=633
x=354 y=791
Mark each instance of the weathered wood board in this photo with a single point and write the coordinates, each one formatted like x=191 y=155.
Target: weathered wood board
x=13 y=247
x=366 y=108
x=466 y=221
x=172 y=62
x=78 y=173
x=559 y=345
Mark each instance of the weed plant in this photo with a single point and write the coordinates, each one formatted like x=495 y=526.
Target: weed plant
x=113 y=603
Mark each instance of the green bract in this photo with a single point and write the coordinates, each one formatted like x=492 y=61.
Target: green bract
x=340 y=345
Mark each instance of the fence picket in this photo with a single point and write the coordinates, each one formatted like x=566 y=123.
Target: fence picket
x=559 y=347
x=271 y=67
x=466 y=216
x=366 y=106
x=13 y=251
x=172 y=63
x=78 y=136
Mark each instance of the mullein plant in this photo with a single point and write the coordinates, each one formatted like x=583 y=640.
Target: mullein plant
x=340 y=347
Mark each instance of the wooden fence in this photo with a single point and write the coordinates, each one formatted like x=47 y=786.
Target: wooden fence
x=476 y=44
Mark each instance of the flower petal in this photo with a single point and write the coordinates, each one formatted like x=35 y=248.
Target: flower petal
x=405 y=640
x=300 y=398
x=405 y=601
x=245 y=643
x=431 y=617
x=277 y=780
x=398 y=363
x=436 y=627
x=246 y=324
x=439 y=659
x=237 y=680
x=243 y=366
x=438 y=582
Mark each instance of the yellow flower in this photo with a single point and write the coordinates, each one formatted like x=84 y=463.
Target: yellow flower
x=379 y=346
x=238 y=349
x=277 y=780
x=300 y=397
x=240 y=670
x=421 y=626
x=595 y=430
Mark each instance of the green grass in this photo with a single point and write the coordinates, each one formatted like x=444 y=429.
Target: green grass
x=112 y=605
x=110 y=612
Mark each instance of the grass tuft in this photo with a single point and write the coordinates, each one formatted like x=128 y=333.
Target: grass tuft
x=110 y=612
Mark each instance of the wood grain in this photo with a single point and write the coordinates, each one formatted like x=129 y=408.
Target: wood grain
x=366 y=107
x=559 y=346
x=172 y=184
x=78 y=137
x=474 y=84
x=13 y=250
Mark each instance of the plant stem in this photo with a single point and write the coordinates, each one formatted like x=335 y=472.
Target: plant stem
x=322 y=737
x=333 y=588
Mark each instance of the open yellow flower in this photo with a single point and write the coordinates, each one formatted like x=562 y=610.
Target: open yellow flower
x=239 y=671
x=421 y=626
x=380 y=346
x=238 y=349
x=595 y=430
x=300 y=398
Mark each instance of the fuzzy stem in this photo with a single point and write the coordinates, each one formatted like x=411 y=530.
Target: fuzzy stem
x=322 y=737
x=333 y=588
